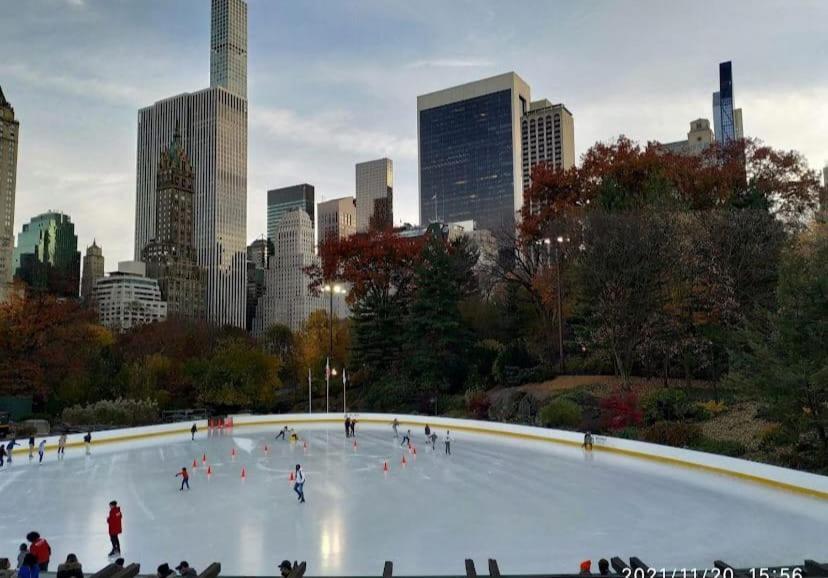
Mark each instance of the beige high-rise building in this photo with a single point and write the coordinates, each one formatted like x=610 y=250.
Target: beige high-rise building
x=93 y=269
x=9 y=132
x=374 y=195
x=336 y=218
x=548 y=138
x=699 y=137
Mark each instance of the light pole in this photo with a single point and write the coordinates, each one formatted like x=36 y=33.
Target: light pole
x=560 y=241
x=330 y=290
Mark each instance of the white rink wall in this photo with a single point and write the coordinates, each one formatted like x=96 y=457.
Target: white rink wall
x=781 y=478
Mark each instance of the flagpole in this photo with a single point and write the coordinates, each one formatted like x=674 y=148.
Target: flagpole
x=328 y=386
x=310 y=407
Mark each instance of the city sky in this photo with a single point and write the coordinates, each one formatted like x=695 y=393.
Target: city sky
x=332 y=83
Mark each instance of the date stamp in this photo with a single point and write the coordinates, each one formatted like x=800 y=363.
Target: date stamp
x=710 y=573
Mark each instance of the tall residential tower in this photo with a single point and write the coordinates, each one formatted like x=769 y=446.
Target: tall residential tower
x=374 y=195
x=548 y=135
x=9 y=131
x=93 y=269
x=286 y=199
x=213 y=127
x=727 y=121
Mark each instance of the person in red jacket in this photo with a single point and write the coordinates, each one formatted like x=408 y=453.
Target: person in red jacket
x=40 y=548
x=185 y=479
x=113 y=520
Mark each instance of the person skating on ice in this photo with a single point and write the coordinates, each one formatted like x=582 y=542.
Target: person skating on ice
x=433 y=439
x=61 y=445
x=282 y=433
x=299 y=484
x=353 y=427
x=31 y=447
x=114 y=523
x=448 y=443
x=347 y=426
x=193 y=432
x=2 y=455
x=406 y=439
x=185 y=479
x=587 y=441
x=87 y=441
x=294 y=437
x=427 y=432
x=10 y=449
x=394 y=426
x=41 y=449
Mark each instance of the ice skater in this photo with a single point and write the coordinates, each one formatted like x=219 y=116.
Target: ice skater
x=185 y=479
x=61 y=445
x=2 y=455
x=87 y=441
x=394 y=426
x=588 y=441
x=115 y=527
x=299 y=484
x=31 y=447
x=433 y=440
x=347 y=426
x=294 y=437
x=427 y=432
x=282 y=433
x=10 y=449
x=406 y=439
x=353 y=427
x=193 y=432
x=448 y=443
x=41 y=449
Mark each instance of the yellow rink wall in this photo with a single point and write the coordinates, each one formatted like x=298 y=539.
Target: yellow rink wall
x=782 y=479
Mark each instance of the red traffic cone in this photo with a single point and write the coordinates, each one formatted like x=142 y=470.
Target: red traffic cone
x=195 y=464
x=204 y=458
x=266 y=449
x=404 y=461
x=355 y=446
x=385 y=467
x=306 y=444
x=233 y=453
x=244 y=473
x=414 y=451
x=290 y=477
x=209 y=471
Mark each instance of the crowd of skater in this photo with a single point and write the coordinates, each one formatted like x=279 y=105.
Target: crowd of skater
x=7 y=448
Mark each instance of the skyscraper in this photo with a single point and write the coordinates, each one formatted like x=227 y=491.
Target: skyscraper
x=127 y=298
x=336 y=218
x=258 y=257
x=93 y=269
x=287 y=299
x=46 y=257
x=548 y=135
x=471 y=152
x=170 y=256
x=9 y=132
x=286 y=199
x=727 y=121
x=213 y=126
x=374 y=195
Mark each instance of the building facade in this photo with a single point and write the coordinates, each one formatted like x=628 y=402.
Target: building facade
x=287 y=199
x=93 y=269
x=727 y=120
x=336 y=219
x=213 y=127
x=171 y=257
x=287 y=299
x=699 y=137
x=9 y=135
x=258 y=257
x=127 y=298
x=548 y=138
x=374 y=195
x=470 y=152
x=228 y=46
x=46 y=257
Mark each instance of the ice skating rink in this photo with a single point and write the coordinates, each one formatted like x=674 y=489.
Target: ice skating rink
x=536 y=507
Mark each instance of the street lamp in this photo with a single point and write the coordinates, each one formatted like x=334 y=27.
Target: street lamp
x=558 y=246
x=330 y=290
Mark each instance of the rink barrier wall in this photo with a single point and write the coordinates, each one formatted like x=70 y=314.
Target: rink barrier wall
x=771 y=476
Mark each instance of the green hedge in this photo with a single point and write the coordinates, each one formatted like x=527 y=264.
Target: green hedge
x=561 y=413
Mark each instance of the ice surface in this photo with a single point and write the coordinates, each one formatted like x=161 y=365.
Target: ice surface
x=535 y=507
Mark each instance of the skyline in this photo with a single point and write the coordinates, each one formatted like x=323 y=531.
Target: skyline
x=324 y=85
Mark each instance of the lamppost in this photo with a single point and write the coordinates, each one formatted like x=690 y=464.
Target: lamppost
x=558 y=246
x=330 y=290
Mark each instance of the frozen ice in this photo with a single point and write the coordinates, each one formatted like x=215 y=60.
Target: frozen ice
x=536 y=507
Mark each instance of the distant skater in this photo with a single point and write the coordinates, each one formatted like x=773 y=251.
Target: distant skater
x=406 y=439
x=185 y=479
x=31 y=447
x=87 y=441
x=2 y=455
x=448 y=443
x=433 y=439
x=193 y=432
x=282 y=433
x=61 y=445
x=294 y=437
x=588 y=441
x=394 y=426
x=115 y=527
x=41 y=449
x=353 y=427
x=347 y=426
x=427 y=432
x=299 y=484
x=10 y=449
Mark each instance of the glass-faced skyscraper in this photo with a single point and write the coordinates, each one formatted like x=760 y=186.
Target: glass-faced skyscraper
x=213 y=125
x=470 y=152
x=727 y=121
x=46 y=257
x=287 y=199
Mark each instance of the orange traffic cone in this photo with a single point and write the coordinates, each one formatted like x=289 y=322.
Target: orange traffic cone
x=355 y=446
x=290 y=477
x=209 y=471
x=414 y=451
x=385 y=467
x=233 y=453
x=195 y=464
x=306 y=444
x=266 y=450
x=204 y=459
x=244 y=473
x=404 y=461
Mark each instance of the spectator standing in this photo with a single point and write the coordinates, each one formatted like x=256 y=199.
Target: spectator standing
x=164 y=571
x=71 y=568
x=585 y=567
x=29 y=568
x=41 y=549
x=285 y=568
x=184 y=569
x=114 y=524
x=6 y=571
x=21 y=554
x=119 y=562
x=603 y=567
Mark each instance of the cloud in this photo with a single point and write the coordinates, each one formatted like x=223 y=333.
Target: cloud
x=331 y=129
x=451 y=63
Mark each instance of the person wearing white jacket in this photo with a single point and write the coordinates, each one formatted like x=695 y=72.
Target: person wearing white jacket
x=299 y=484
x=448 y=443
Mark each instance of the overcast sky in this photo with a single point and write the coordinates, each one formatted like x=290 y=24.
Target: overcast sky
x=334 y=82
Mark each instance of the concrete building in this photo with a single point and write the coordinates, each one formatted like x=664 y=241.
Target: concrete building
x=286 y=199
x=336 y=219
x=374 y=195
x=258 y=257
x=127 y=298
x=213 y=126
x=471 y=152
x=727 y=120
x=171 y=257
x=46 y=257
x=548 y=138
x=9 y=134
x=93 y=269
x=287 y=299
x=699 y=137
